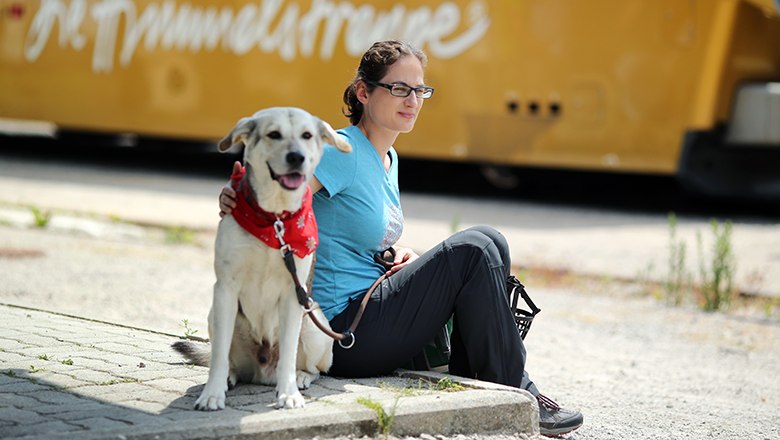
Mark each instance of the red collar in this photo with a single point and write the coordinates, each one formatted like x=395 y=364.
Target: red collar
x=300 y=227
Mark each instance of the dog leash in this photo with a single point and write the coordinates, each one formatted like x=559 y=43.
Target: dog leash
x=307 y=302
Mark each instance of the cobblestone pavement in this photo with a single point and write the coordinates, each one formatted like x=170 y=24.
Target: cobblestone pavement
x=65 y=377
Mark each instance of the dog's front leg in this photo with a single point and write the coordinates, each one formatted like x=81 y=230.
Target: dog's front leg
x=287 y=394
x=223 y=319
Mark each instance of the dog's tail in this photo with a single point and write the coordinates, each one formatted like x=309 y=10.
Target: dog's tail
x=193 y=353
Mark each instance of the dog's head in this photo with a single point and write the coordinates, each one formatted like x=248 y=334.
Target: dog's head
x=282 y=146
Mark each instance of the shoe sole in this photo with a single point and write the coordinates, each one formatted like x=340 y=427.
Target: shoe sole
x=558 y=432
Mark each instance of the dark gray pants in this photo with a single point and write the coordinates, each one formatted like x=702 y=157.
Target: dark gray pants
x=463 y=277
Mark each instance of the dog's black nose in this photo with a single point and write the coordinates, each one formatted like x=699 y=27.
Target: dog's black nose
x=295 y=159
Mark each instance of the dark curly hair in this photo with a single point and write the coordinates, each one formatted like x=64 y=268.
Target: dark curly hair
x=373 y=67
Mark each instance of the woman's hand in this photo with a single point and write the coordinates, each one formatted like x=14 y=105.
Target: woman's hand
x=403 y=256
x=227 y=198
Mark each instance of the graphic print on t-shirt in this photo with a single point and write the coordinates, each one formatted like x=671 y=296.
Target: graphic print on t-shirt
x=395 y=226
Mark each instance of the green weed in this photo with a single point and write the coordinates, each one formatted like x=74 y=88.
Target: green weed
x=447 y=384
x=188 y=331
x=678 y=281
x=41 y=218
x=385 y=419
x=717 y=278
x=179 y=235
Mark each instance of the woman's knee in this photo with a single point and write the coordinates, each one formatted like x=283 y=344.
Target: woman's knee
x=477 y=244
x=498 y=239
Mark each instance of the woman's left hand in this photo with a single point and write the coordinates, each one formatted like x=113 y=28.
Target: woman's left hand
x=403 y=256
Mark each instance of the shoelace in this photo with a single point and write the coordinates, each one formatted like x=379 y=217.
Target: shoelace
x=547 y=402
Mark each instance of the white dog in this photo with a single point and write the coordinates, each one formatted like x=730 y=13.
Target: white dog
x=257 y=327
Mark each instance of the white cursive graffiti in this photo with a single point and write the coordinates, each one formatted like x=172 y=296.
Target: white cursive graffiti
x=267 y=25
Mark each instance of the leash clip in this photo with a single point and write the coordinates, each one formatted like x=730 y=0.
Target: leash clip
x=279 y=229
x=284 y=248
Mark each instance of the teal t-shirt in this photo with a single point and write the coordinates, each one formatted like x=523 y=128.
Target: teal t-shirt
x=358 y=213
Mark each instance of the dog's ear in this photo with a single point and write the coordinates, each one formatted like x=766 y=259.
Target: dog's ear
x=238 y=134
x=329 y=136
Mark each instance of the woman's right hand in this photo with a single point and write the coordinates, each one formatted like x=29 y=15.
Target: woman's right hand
x=227 y=198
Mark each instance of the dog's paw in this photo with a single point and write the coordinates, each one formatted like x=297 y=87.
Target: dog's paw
x=304 y=379
x=289 y=401
x=212 y=398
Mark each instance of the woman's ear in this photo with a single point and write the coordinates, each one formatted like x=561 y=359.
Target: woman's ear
x=361 y=92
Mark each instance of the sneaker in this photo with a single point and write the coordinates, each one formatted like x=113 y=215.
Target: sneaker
x=555 y=421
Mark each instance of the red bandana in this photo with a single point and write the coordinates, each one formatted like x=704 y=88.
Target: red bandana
x=300 y=227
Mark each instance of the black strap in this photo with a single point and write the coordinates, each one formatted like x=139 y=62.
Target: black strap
x=306 y=302
x=300 y=291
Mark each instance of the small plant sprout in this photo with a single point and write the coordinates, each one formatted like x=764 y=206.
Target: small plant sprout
x=447 y=384
x=188 y=331
x=717 y=277
x=179 y=235
x=41 y=218
x=678 y=280
x=385 y=419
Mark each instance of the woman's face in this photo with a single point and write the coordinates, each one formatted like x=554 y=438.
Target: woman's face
x=394 y=113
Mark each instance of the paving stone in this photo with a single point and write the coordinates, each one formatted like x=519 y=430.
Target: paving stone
x=137 y=418
x=101 y=423
x=18 y=400
x=43 y=428
x=8 y=377
x=143 y=406
x=93 y=377
x=21 y=416
x=10 y=344
x=111 y=391
x=10 y=359
x=40 y=341
x=55 y=397
x=228 y=413
x=116 y=359
x=23 y=387
x=84 y=409
x=34 y=351
x=177 y=386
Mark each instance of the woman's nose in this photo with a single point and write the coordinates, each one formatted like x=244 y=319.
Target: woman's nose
x=412 y=100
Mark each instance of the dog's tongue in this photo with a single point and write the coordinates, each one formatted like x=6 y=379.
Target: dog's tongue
x=291 y=181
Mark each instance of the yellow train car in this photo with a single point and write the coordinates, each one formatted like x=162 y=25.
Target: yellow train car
x=688 y=88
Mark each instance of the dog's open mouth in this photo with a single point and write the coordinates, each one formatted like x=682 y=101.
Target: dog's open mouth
x=288 y=181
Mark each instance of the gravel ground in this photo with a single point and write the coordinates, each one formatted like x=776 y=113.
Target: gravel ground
x=635 y=367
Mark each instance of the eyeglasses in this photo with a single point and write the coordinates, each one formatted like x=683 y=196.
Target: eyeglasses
x=402 y=90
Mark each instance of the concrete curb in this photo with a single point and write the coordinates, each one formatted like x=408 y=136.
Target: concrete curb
x=66 y=377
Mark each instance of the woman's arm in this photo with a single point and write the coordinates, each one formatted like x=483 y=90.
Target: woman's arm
x=227 y=197
x=315 y=185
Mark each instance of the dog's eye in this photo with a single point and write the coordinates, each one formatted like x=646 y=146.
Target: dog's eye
x=306 y=135
x=274 y=135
